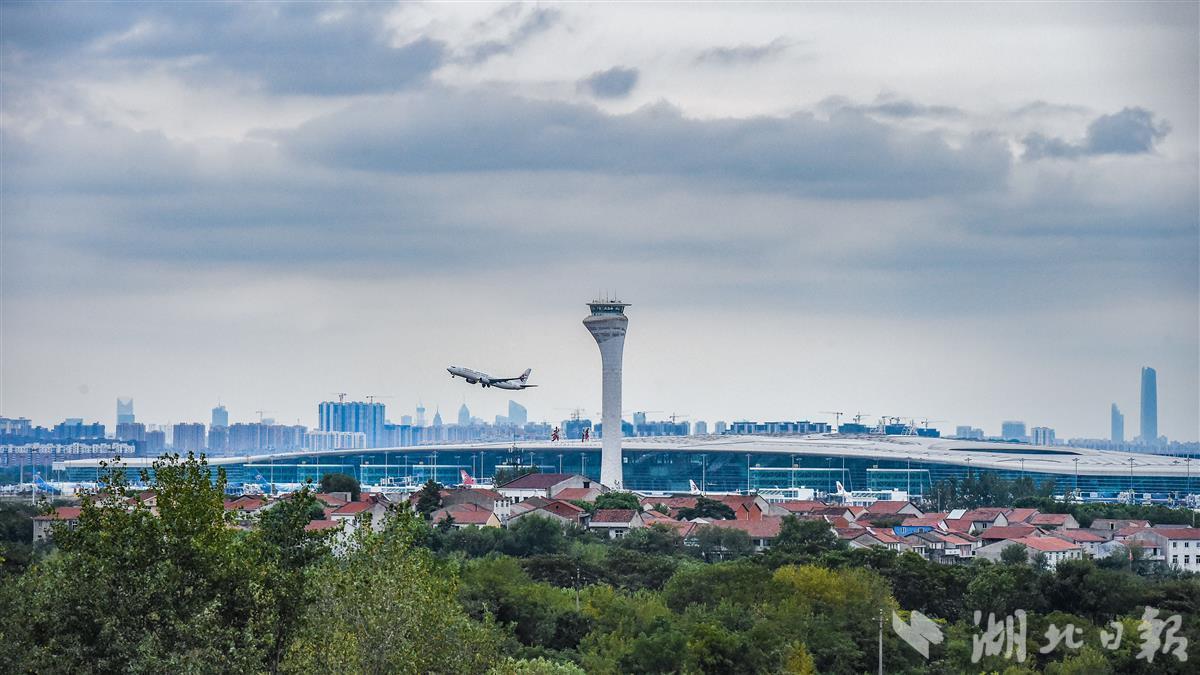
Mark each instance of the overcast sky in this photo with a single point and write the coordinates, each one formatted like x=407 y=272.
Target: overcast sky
x=969 y=212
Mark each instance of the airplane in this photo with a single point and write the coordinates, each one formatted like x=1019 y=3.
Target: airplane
x=484 y=380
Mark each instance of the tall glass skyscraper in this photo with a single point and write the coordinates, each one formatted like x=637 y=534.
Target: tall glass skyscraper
x=1149 y=405
x=125 y=411
x=1118 y=425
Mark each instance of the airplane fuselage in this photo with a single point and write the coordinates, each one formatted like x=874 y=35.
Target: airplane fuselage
x=484 y=380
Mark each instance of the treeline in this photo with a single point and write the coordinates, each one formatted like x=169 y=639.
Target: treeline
x=130 y=591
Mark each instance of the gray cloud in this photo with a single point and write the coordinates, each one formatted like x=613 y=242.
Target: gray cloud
x=848 y=155
x=616 y=82
x=1131 y=131
x=743 y=54
x=291 y=48
x=890 y=106
x=538 y=21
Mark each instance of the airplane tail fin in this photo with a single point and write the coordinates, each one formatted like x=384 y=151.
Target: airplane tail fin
x=525 y=375
x=840 y=489
x=466 y=477
x=692 y=487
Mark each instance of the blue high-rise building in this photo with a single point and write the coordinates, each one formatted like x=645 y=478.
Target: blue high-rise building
x=220 y=417
x=1149 y=405
x=1118 y=425
x=125 y=411
x=354 y=416
x=517 y=414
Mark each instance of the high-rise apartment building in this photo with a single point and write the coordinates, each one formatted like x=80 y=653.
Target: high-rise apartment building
x=1149 y=405
x=1117 y=422
x=1042 y=436
x=353 y=416
x=188 y=437
x=700 y=428
x=1013 y=430
x=125 y=411
x=517 y=414
x=131 y=431
x=220 y=417
x=607 y=324
x=720 y=427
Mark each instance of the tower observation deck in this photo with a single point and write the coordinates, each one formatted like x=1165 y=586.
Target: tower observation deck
x=607 y=325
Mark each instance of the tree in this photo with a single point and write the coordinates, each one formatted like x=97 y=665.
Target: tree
x=707 y=508
x=389 y=607
x=340 y=482
x=509 y=474
x=618 y=500
x=1014 y=554
x=136 y=591
x=803 y=538
x=722 y=543
x=429 y=498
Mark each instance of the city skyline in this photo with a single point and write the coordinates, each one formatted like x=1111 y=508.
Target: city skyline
x=811 y=212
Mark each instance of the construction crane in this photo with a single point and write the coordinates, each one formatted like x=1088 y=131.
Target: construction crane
x=371 y=397
x=341 y=396
x=926 y=422
x=673 y=416
x=260 y=414
x=576 y=413
x=858 y=417
x=837 y=417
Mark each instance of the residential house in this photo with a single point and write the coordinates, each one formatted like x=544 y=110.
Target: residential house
x=1179 y=547
x=43 y=525
x=615 y=522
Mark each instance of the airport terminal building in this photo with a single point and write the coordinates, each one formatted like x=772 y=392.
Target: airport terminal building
x=726 y=463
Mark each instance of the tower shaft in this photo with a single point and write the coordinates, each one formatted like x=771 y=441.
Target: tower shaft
x=607 y=325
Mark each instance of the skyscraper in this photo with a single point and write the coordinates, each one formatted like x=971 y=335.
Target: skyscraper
x=517 y=414
x=220 y=417
x=125 y=411
x=607 y=325
x=1013 y=430
x=188 y=437
x=1043 y=436
x=700 y=428
x=1149 y=405
x=464 y=416
x=353 y=416
x=420 y=414
x=1118 y=425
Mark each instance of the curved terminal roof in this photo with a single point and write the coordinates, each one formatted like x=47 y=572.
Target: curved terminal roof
x=976 y=454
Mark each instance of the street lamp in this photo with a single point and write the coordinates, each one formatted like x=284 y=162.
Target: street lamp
x=1076 y=460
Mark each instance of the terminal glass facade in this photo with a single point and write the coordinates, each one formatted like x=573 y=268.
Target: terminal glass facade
x=661 y=470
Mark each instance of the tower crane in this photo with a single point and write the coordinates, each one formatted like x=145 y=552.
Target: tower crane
x=837 y=417
x=341 y=396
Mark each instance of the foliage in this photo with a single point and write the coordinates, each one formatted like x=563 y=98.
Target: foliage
x=340 y=482
x=618 y=500
x=711 y=509
x=429 y=498
x=1014 y=554
x=722 y=543
x=390 y=607
x=510 y=473
x=800 y=540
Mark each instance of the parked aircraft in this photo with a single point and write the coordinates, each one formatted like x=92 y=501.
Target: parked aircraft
x=484 y=380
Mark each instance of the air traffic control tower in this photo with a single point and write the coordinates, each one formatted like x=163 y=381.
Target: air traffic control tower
x=607 y=324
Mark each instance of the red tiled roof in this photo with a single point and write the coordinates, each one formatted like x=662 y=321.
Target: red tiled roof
x=467 y=514
x=1021 y=515
x=578 y=494
x=352 y=508
x=676 y=501
x=62 y=513
x=613 y=515
x=1049 y=519
x=886 y=507
x=800 y=505
x=537 y=481
x=329 y=499
x=1047 y=544
x=1177 y=532
x=1009 y=532
x=987 y=513
x=245 y=504
x=1131 y=529
x=929 y=521
x=1079 y=536
x=765 y=528
x=321 y=525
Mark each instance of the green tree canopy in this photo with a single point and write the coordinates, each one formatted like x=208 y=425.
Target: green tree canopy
x=707 y=508
x=618 y=500
x=429 y=498
x=340 y=482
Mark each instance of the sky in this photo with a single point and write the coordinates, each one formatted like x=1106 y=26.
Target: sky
x=961 y=212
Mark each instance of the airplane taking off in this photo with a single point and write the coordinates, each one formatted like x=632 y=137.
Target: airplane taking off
x=484 y=380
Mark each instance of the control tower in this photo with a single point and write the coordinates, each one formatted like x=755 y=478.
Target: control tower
x=607 y=324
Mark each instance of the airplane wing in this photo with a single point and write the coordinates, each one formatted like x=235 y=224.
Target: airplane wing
x=522 y=377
